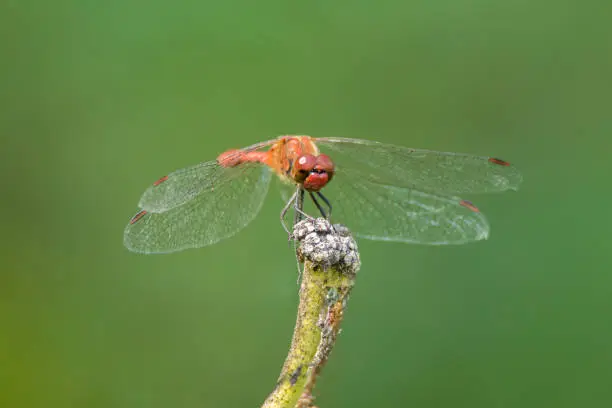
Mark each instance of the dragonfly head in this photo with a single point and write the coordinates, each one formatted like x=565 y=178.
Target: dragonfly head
x=314 y=172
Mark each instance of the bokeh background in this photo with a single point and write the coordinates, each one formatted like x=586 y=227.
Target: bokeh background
x=98 y=99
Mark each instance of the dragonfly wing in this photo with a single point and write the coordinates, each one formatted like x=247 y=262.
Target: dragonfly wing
x=286 y=189
x=180 y=186
x=389 y=213
x=215 y=213
x=425 y=170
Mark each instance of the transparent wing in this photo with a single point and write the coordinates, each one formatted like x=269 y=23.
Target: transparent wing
x=389 y=213
x=425 y=170
x=216 y=212
x=183 y=185
x=286 y=189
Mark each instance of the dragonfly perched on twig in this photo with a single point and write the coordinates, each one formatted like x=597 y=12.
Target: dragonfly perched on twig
x=382 y=191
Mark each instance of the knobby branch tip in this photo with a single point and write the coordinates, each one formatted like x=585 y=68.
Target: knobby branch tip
x=331 y=261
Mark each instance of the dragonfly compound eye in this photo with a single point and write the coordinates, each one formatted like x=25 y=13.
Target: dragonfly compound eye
x=325 y=165
x=304 y=166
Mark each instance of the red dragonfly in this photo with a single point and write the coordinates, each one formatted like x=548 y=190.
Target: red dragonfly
x=380 y=191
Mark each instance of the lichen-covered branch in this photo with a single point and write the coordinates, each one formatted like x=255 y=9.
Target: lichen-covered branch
x=331 y=262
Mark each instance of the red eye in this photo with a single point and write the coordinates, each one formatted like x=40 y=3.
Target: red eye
x=325 y=164
x=303 y=166
x=305 y=163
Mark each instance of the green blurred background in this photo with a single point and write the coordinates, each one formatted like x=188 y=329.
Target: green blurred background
x=97 y=99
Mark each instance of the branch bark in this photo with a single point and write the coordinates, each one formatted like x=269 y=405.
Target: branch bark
x=331 y=261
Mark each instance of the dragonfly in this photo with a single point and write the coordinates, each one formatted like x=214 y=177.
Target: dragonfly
x=380 y=191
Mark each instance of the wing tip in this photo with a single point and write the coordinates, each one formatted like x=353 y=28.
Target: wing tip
x=511 y=174
x=469 y=205
x=160 y=180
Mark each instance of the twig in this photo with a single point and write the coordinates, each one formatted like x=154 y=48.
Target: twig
x=331 y=262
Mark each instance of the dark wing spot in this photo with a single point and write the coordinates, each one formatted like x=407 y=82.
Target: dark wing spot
x=138 y=216
x=161 y=180
x=498 y=161
x=469 y=205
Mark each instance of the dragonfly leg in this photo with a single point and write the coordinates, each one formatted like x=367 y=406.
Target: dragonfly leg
x=314 y=200
x=299 y=206
x=326 y=201
x=327 y=215
x=285 y=209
